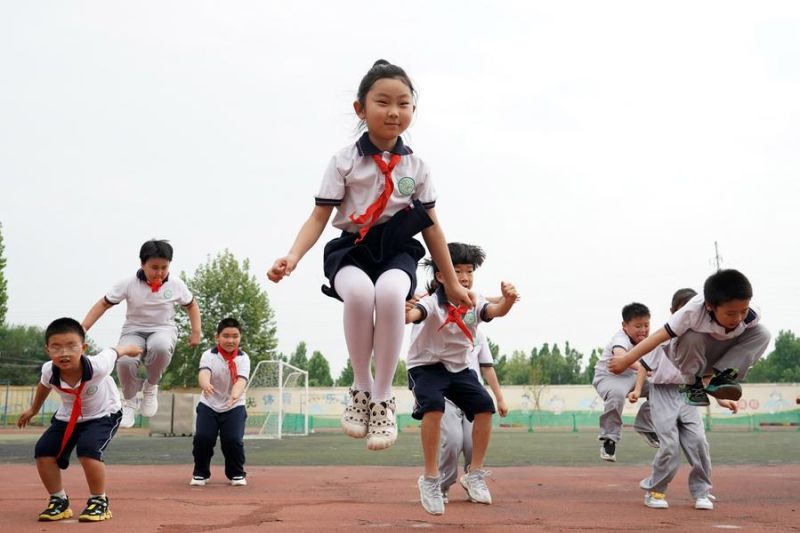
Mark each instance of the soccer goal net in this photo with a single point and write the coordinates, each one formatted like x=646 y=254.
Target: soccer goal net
x=277 y=401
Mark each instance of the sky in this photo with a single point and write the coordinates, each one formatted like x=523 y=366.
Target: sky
x=595 y=150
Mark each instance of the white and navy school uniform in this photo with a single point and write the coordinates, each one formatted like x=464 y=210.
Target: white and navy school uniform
x=438 y=359
x=149 y=324
x=678 y=426
x=613 y=389
x=100 y=412
x=351 y=183
x=214 y=417
x=702 y=345
x=456 y=430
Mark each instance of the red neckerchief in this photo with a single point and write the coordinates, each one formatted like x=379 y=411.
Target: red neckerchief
x=454 y=316
x=155 y=285
x=229 y=357
x=375 y=210
x=74 y=415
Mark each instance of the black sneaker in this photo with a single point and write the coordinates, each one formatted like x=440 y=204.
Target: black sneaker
x=651 y=438
x=695 y=394
x=57 y=509
x=608 y=452
x=724 y=386
x=96 y=510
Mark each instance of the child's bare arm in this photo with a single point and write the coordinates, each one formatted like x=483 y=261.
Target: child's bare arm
x=38 y=400
x=510 y=296
x=95 y=313
x=491 y=378
x=237 y=390
x=437 y=246
x=618 y=364
x=641 y=376
x=308 y=235
x=204 y=381
x=193 y=309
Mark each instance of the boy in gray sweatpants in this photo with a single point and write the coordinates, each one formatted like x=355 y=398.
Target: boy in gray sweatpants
x=715 y=334
x=614 y=388
x=678 y=425
x=456 y=429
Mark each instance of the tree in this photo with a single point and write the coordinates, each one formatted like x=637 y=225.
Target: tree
x=782 y=365
x=319 y=371
x=21 y=354
x=299 y=357
x=588 y=373
x=223 y=288
x=400 y=375
x=517 y=369
x=3 y=283
x=346 y=378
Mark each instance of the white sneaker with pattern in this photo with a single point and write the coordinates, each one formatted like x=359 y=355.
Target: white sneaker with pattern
x=355 y=419
x=382 y=431
x=430 y=494
x=474 y=482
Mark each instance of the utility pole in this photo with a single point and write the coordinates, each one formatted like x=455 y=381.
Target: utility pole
x=717 y=261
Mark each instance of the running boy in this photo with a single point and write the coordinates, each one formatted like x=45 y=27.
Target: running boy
x=438 y=367
x=456 y=430
x=150 y=323
x=678 y=426
x=87 y=418
x=717 y=333
x=613 y=389
x=223 y=375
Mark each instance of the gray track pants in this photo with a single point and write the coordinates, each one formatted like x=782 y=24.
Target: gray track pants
x=158 y=349
x=699 y=353
x=678 y=426
x=614 y=389
x=455 y=438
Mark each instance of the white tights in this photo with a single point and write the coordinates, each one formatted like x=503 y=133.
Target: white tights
x=374 y=320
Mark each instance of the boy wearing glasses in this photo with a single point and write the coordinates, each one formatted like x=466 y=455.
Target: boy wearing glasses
x=87 y=419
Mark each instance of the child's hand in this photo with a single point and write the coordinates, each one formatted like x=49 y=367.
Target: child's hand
x=232 y=400
x=509 y=292
x=25 y=417
x=617 y=364
x=459 y=296
x=129 y=350
x=195 y=337
x=412 y=302
x=282 y=267
x=633 y=396
x=731 y=405
x=208 y=390
x=502 y=408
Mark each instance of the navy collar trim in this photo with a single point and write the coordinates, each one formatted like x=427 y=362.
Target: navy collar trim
x=215 y=350
x=86 y=372
x=140 y=275
x=365 y=147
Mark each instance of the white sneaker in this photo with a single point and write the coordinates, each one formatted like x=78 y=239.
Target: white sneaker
x=149 y=399
x=704 y=503
x=129 y=408
x=445 y=499
x=430 y=494
x=382 y=425
x=355 y=419
x=474 y=482
x=239 y=481
x=656 y=500
x=198 y=481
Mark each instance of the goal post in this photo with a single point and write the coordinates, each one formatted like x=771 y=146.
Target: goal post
x=277 y=401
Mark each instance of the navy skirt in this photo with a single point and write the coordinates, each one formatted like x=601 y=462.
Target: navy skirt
x=386 y=246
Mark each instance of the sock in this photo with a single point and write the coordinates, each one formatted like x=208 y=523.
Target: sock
x=391 y=290
x=358 y=293
x=60 y=494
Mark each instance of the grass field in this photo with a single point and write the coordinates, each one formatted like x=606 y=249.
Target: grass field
x=508 y=448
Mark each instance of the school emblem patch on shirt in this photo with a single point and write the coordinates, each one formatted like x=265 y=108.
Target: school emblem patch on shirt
x=470 y=318
x=405 y=186
x=167 y=294
x=91 y=391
